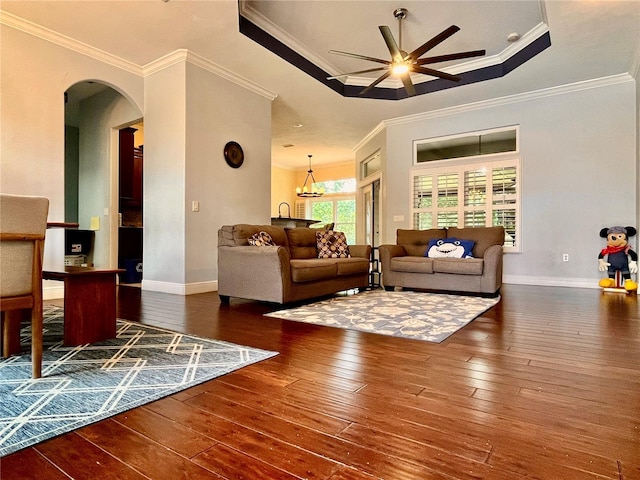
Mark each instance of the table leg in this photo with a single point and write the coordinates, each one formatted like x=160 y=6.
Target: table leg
x=11 y=320
x=89 y=308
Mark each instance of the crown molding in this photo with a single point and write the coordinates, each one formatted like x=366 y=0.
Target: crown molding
x=184 y=55
x=282 y=36
x=634 y=68
x=376 y=130
x=227 y=74
x=275 y=31
x=69 y=43
x=275 y=163
x=317 y=166
x=506 y=100
x=510 y=99
x=172 y=58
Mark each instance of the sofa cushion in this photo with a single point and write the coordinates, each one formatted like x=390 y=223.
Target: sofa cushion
x=238 y=235
x=352 y=265
x=460 y=266
x=302 y=242
x=261 y=239
x=310 y=270
x=484 y=237
x=417 y=264
x=331 y=244
x=415 y=241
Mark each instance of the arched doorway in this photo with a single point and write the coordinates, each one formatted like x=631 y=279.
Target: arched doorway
x=94 y=114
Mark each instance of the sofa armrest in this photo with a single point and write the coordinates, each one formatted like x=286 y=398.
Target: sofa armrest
x=492 y=269
x=492 y=256
x=258 y=273
x=360 y=251
x=387 y=252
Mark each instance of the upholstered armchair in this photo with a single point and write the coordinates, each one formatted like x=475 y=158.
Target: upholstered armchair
x=23 y=223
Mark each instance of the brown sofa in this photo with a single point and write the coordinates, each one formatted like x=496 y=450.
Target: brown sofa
x=405 y=265
x=287 y=272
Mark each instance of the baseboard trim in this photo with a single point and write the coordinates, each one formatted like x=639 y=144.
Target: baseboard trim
x=552 y=281
x=179 y=288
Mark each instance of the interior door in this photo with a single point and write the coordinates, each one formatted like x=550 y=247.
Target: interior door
x=371 y=196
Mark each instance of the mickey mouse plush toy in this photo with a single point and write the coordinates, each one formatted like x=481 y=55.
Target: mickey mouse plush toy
x=618 y=253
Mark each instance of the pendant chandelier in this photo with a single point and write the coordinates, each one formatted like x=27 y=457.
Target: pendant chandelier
x=312 y=191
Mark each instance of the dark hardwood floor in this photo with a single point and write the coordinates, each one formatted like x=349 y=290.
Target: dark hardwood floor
x=545 y=385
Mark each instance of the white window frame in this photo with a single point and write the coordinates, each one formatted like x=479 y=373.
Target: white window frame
x=459 y=166
x=334 y=197
x=516 y=128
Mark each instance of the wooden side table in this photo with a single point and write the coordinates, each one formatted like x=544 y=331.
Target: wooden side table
x=89 y=303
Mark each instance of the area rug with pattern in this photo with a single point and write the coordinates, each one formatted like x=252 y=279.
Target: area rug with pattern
x=420 y=316
x=84 y=384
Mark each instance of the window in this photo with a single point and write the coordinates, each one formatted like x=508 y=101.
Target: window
x=478 y=194
x=498 y=140
x=338 y=206
x=371 y=165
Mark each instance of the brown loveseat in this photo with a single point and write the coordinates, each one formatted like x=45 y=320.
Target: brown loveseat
x=287 y=272
x=405 y=264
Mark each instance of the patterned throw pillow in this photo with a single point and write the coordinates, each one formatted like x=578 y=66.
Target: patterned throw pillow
x=332 y=244
x=261 y=239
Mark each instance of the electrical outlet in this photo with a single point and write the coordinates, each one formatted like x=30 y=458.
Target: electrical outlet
x=398 y=218
x=565 y=257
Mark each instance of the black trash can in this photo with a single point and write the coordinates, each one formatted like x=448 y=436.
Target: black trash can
x=133 y=267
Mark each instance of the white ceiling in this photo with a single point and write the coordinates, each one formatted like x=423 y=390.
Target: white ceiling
x=589 y=39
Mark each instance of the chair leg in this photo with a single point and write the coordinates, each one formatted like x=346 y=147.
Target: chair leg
x=36 y=339
x=11 y=320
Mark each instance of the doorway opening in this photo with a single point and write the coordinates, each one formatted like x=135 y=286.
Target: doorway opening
x=130 y=204
x=94 y=114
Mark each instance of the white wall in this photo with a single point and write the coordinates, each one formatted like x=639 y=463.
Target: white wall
x=34 y=74
x=579 y=173
x=191 y=114
x=637 y=79
x=164 y=177
x=219 y=111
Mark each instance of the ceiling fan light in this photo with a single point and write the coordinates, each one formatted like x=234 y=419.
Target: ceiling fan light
x=400 y=68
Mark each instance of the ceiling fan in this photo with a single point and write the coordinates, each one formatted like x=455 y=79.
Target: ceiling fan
x=403 y=64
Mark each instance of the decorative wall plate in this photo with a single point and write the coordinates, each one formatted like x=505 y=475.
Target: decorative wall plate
x=233 y=154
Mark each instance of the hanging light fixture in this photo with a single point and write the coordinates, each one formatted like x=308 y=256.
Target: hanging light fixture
x=312 y=190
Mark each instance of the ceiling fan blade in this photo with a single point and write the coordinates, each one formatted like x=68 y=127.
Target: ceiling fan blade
x=425 y=47
x=408 y=85
x=357 y=73
x=435 y=73
x=376 y=82
x=451 y=56
x=361 y=57
x=396 y=55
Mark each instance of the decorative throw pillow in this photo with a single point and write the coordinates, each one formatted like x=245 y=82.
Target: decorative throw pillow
x=332 y=244
x=261 y=239
x=449 y=247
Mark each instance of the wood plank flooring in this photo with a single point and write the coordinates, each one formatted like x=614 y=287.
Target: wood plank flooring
x=545 y=385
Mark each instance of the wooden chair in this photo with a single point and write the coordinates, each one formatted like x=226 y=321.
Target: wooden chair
x=23 y=223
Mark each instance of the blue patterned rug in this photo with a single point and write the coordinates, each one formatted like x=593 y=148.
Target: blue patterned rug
x=420 y=316
x=84 y=384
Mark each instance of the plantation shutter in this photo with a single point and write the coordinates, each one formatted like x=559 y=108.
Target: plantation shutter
x=468 y=195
